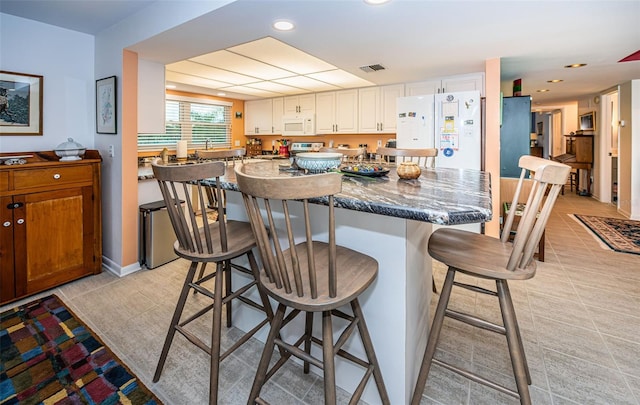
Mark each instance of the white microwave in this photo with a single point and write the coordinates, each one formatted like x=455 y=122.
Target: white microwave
x=298 y=125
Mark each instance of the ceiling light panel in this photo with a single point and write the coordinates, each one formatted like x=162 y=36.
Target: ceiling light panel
x=252 y=91
x=276 y=87
x=307 y=83
x=237 y=63
x=340 y=78
x=198 y=69
x=193 y=80
x=270 y=50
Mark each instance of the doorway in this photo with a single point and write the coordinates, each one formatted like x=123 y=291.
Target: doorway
x=608 y=146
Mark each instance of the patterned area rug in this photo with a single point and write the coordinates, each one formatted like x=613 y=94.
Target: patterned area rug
x=622 y=235
x=48 y=356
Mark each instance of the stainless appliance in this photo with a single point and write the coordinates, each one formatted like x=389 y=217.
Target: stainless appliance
x=297 y=147
x=156 y=235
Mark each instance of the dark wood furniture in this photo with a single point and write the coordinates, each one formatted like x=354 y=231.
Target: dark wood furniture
x=51 y=230
x=579 y=155
x=536 y=151
x=254 y=149
x=308 y=276
x=217 y=242
x=488 y=258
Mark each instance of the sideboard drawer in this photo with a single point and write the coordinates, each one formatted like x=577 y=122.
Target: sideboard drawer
x=46 y=177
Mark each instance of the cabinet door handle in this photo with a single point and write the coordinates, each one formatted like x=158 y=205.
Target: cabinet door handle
x=20 y=221
x=57 y=176
x=6 y=224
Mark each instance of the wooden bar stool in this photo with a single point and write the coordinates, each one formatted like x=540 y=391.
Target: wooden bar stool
x=308 y=276
x=489 y=258
x=424 y=157
x=217 y=242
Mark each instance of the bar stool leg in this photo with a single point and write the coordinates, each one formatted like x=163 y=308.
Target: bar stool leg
x=263 y=366
x=175 y=320
x=228 y=289
x=308 y=331
x=434 y=335
x=216 y=331
x=328 y=360
x=514 y=341
x=369 y=350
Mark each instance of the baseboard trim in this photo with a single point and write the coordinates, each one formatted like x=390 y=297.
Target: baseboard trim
x=113 y=267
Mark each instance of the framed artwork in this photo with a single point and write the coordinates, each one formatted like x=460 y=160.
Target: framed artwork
x=20 y=104
x=540 y=128
x=588 y=121
x=106 y=111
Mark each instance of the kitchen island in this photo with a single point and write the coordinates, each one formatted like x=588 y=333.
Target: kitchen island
x=391 y=220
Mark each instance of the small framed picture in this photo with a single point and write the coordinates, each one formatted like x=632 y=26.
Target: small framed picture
x=588 y=121
x=106 y=111
x=20 y=104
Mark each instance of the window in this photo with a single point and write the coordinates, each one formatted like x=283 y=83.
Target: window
x=194 y=120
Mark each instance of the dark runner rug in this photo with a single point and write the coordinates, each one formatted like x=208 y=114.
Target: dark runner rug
x=621 y=235
x=48 y=356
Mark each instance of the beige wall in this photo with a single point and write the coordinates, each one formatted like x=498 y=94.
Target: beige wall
x=492 y=141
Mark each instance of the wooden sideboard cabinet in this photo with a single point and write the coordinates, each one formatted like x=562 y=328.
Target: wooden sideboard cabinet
x=51 y=225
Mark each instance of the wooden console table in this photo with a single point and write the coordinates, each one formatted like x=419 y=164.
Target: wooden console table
x=51 y=230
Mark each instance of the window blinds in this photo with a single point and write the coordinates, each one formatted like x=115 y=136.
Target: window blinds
x=194 y=121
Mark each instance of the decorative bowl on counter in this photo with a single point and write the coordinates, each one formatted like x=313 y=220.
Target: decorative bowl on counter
x=70 y=150
x=318 y=162
x=408 y=170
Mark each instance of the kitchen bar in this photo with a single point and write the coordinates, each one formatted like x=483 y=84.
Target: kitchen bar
x=391 y=220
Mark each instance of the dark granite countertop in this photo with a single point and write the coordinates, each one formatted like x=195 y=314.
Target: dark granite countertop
x=440 y=196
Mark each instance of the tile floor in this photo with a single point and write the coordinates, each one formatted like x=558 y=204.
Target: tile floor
x=580 y=320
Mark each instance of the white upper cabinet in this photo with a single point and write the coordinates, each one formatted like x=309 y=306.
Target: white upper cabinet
x=258 y=117
x=377 y=108
x=447 y=85
x=304 y=104
x=337 y=112
x=277 y=113
x=151 y=97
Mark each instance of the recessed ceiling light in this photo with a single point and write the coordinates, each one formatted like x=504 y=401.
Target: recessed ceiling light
x=222 y=94
x=575 y=65
x=542 y=90
x=170 y=86
x=555 y=81
x=283 y=25
x=376 y=2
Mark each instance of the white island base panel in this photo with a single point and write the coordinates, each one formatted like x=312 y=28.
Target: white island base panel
x=396 y=305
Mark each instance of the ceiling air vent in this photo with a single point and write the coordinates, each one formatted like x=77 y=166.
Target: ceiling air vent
x=372 y=68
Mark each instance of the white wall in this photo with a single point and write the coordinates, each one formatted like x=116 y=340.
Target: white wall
x=65 y=60
x=110 y=43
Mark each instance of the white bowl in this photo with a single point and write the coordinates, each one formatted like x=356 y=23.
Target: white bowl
x=318 y=162
x=70 y=150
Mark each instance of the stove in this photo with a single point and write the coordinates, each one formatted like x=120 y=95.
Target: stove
x=297 y=147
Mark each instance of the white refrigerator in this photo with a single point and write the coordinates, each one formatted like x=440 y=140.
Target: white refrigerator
x=450 y=122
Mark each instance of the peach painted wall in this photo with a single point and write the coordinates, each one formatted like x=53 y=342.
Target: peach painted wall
x=129 y=236
x=492 y=139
